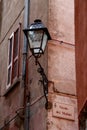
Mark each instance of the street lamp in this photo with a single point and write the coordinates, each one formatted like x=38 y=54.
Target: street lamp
x=37 y=35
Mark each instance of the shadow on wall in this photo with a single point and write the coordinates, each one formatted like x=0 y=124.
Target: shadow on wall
x=1 y=9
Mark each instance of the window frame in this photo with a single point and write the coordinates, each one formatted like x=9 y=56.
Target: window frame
x=10 y=78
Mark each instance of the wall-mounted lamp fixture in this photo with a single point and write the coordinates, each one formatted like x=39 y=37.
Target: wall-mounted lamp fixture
x=37 y=35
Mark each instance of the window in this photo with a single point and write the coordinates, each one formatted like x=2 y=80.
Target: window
x=13 y=57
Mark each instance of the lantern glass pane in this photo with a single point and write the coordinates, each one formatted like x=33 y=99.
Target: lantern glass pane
x=35 y=39
x=45 y=38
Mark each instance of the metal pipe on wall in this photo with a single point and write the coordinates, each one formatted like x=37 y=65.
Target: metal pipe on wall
x=25 y=51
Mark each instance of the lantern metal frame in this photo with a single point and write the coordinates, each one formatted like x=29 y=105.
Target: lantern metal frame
x=37 y=26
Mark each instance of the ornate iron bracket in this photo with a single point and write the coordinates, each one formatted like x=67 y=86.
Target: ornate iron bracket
x=44 y=82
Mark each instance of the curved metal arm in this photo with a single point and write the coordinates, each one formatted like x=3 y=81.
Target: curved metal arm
x=44 y=81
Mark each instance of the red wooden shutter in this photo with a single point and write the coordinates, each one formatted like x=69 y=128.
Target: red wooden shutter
x=15 y=55
x=16 y=50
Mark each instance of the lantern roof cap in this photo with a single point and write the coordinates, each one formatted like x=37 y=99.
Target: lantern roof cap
x=37 y=25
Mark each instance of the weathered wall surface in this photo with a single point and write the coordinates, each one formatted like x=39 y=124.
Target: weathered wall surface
x=61 y=20
x=61 y=66
x=62 y=89
x=81 y=51
x=1 y=10
x=39 y=10
x=38 y=116
x=59 y=17
x=12 y=15
x=62 y=121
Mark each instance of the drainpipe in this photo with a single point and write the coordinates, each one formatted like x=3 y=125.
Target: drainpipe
x=25 y=51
